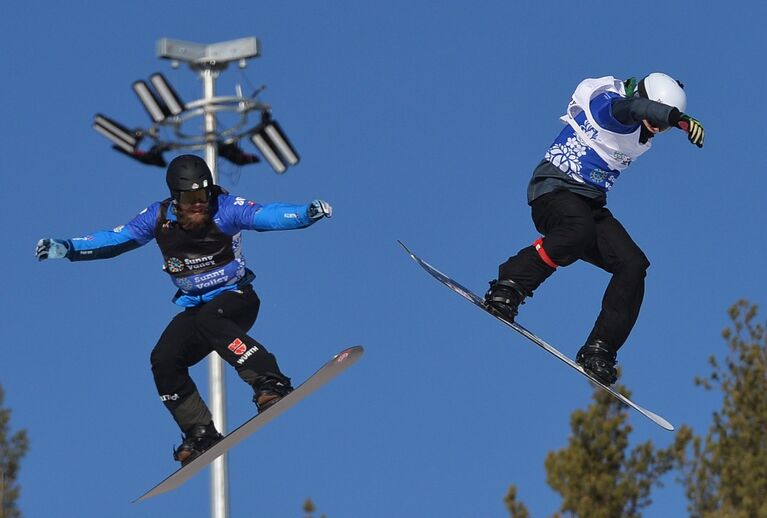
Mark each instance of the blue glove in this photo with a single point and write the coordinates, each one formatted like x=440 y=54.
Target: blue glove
x=319 y=209
x=51 y=249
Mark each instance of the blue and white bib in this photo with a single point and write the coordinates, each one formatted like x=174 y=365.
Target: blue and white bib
x=586 y=150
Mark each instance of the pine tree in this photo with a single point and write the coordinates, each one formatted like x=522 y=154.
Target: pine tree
x=516 y=508
x=12 y=449
x=309 y=508
x=595 y=474
x=725 y=472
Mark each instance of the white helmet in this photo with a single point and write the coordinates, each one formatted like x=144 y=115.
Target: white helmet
x=664 y=89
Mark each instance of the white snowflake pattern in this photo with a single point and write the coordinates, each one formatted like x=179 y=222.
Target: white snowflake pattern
x=577 y=145
x=567 y=156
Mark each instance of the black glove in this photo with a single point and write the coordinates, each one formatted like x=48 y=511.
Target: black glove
x=690 y=125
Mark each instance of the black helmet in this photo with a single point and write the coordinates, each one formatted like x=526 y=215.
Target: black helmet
x=188 y=173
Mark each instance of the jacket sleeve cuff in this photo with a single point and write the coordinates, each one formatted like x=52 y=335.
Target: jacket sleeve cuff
x=70 y=250
x=674 y=117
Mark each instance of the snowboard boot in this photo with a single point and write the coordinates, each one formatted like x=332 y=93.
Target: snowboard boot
x=270 y=388
x=598 y=359
x=505 y=296
x=196 y=441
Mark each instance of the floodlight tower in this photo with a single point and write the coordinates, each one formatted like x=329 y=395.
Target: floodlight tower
x=167 y=110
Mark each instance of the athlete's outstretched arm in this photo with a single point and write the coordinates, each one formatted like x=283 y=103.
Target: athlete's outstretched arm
x=103 y=244
x=237 y=214
x=637 y=109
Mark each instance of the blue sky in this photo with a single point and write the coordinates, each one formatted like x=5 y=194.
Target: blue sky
x=419 y=121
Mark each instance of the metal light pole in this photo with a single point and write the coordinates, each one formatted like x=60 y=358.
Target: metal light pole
x=209 y=61
x=219 y=479
x=168 y=111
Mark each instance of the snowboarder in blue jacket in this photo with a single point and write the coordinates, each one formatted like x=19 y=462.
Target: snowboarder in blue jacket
x=198 y=231
x=609 y=124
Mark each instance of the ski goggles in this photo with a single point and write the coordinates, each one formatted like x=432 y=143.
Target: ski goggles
x=193 y=197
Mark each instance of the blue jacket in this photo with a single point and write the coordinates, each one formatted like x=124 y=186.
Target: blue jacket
x=230 y=216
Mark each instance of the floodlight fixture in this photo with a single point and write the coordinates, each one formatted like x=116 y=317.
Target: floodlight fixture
x=168 y=95
x=126 y=141
x=274 y=145
x=152 y=103
x=119 y=135
x=151 y=157
x=235 y=154
x=280 y=140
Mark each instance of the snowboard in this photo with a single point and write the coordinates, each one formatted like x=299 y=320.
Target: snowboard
x=480 y=303
x=327 y=372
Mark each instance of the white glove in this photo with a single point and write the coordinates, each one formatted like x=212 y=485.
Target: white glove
x=319 y=209
x=51 y=249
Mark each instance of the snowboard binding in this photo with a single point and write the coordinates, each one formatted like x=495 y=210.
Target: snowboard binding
x=598 y=360
x=504 y=297
x=196 y=441
x=270 y=388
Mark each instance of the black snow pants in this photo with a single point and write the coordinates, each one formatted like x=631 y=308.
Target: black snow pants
x=221 y=326
x=576 y=227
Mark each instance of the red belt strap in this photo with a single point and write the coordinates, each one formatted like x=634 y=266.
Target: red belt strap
x=538 y=244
